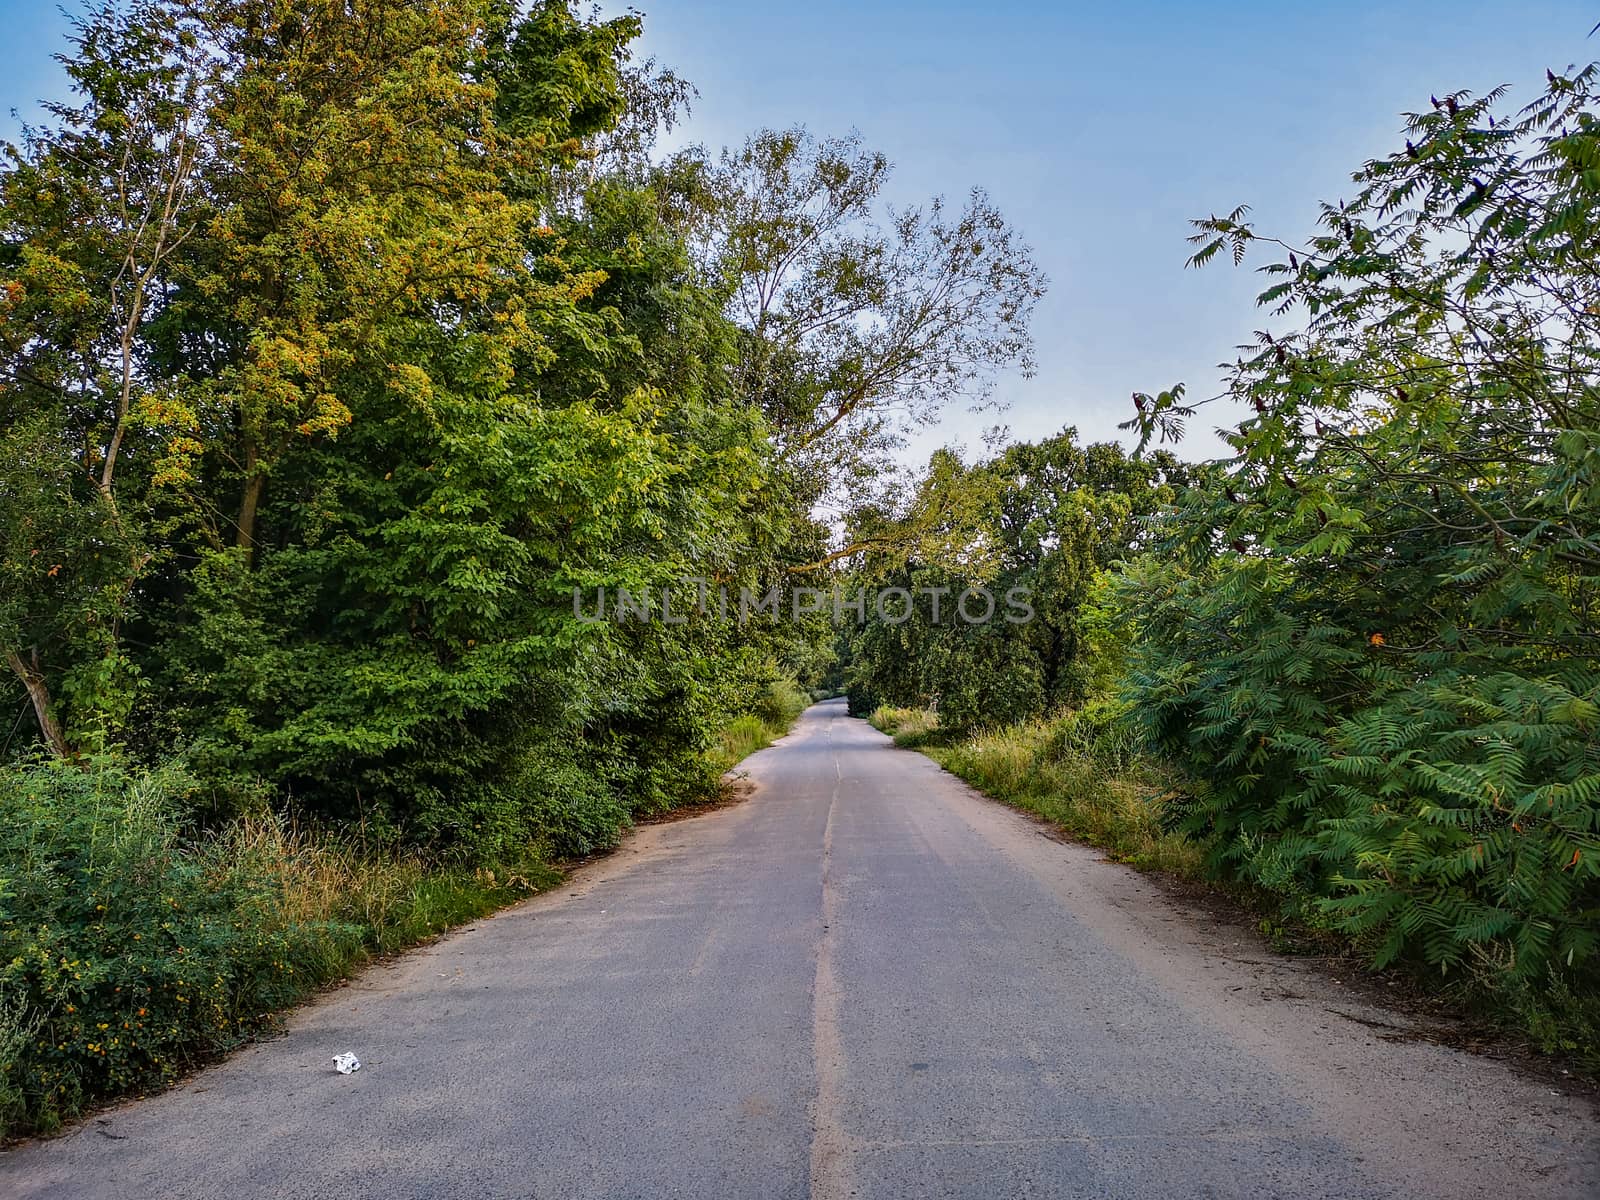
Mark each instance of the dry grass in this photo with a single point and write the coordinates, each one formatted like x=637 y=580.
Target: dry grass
x=396 y=899
x=742 y=738
x=1074 y=770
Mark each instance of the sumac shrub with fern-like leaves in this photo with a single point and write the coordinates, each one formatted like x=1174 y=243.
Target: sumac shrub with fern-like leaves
x=1374 y=634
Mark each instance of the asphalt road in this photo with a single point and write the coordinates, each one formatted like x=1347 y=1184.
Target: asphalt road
x=864 y=981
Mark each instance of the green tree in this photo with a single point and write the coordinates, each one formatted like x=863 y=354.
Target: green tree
x=384 y=391
x=1038 y=524
x=95 y=213
x=855 y=319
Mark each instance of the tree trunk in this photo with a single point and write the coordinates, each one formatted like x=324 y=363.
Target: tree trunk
x=39 y=694
x=254 y=484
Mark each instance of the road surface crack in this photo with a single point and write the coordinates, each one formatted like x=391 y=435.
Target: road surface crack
x=830 y=1175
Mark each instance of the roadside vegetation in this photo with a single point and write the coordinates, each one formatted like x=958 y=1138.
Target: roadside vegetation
x=351 y=355
x=136 y=950
x=1354 y=666
x=139 y=949
x=1085 y=776
x=756 y=730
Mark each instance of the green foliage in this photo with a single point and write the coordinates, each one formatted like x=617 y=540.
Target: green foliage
x=770 y=718
x=134 y=948
x=1373 y=632
x=910 y=727
x=402 y=371
x=1035 y=527
x=782 y=702
x=128 y=953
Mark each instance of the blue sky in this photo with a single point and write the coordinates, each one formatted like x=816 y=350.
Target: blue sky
x=1099 y=129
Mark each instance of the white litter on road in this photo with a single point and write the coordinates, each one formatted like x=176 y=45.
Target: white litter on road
x=346 y=1064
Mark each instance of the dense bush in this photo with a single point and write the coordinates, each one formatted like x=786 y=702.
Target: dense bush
x=782 y=702
x=134 y=946
x=127 y=951
x=769 y=719
x=1375 y=636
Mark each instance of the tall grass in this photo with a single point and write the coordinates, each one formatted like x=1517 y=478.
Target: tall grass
x=1077 y=770
x=773 y=714
x=395 y=899
x=912 y=727
x=133 y=948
